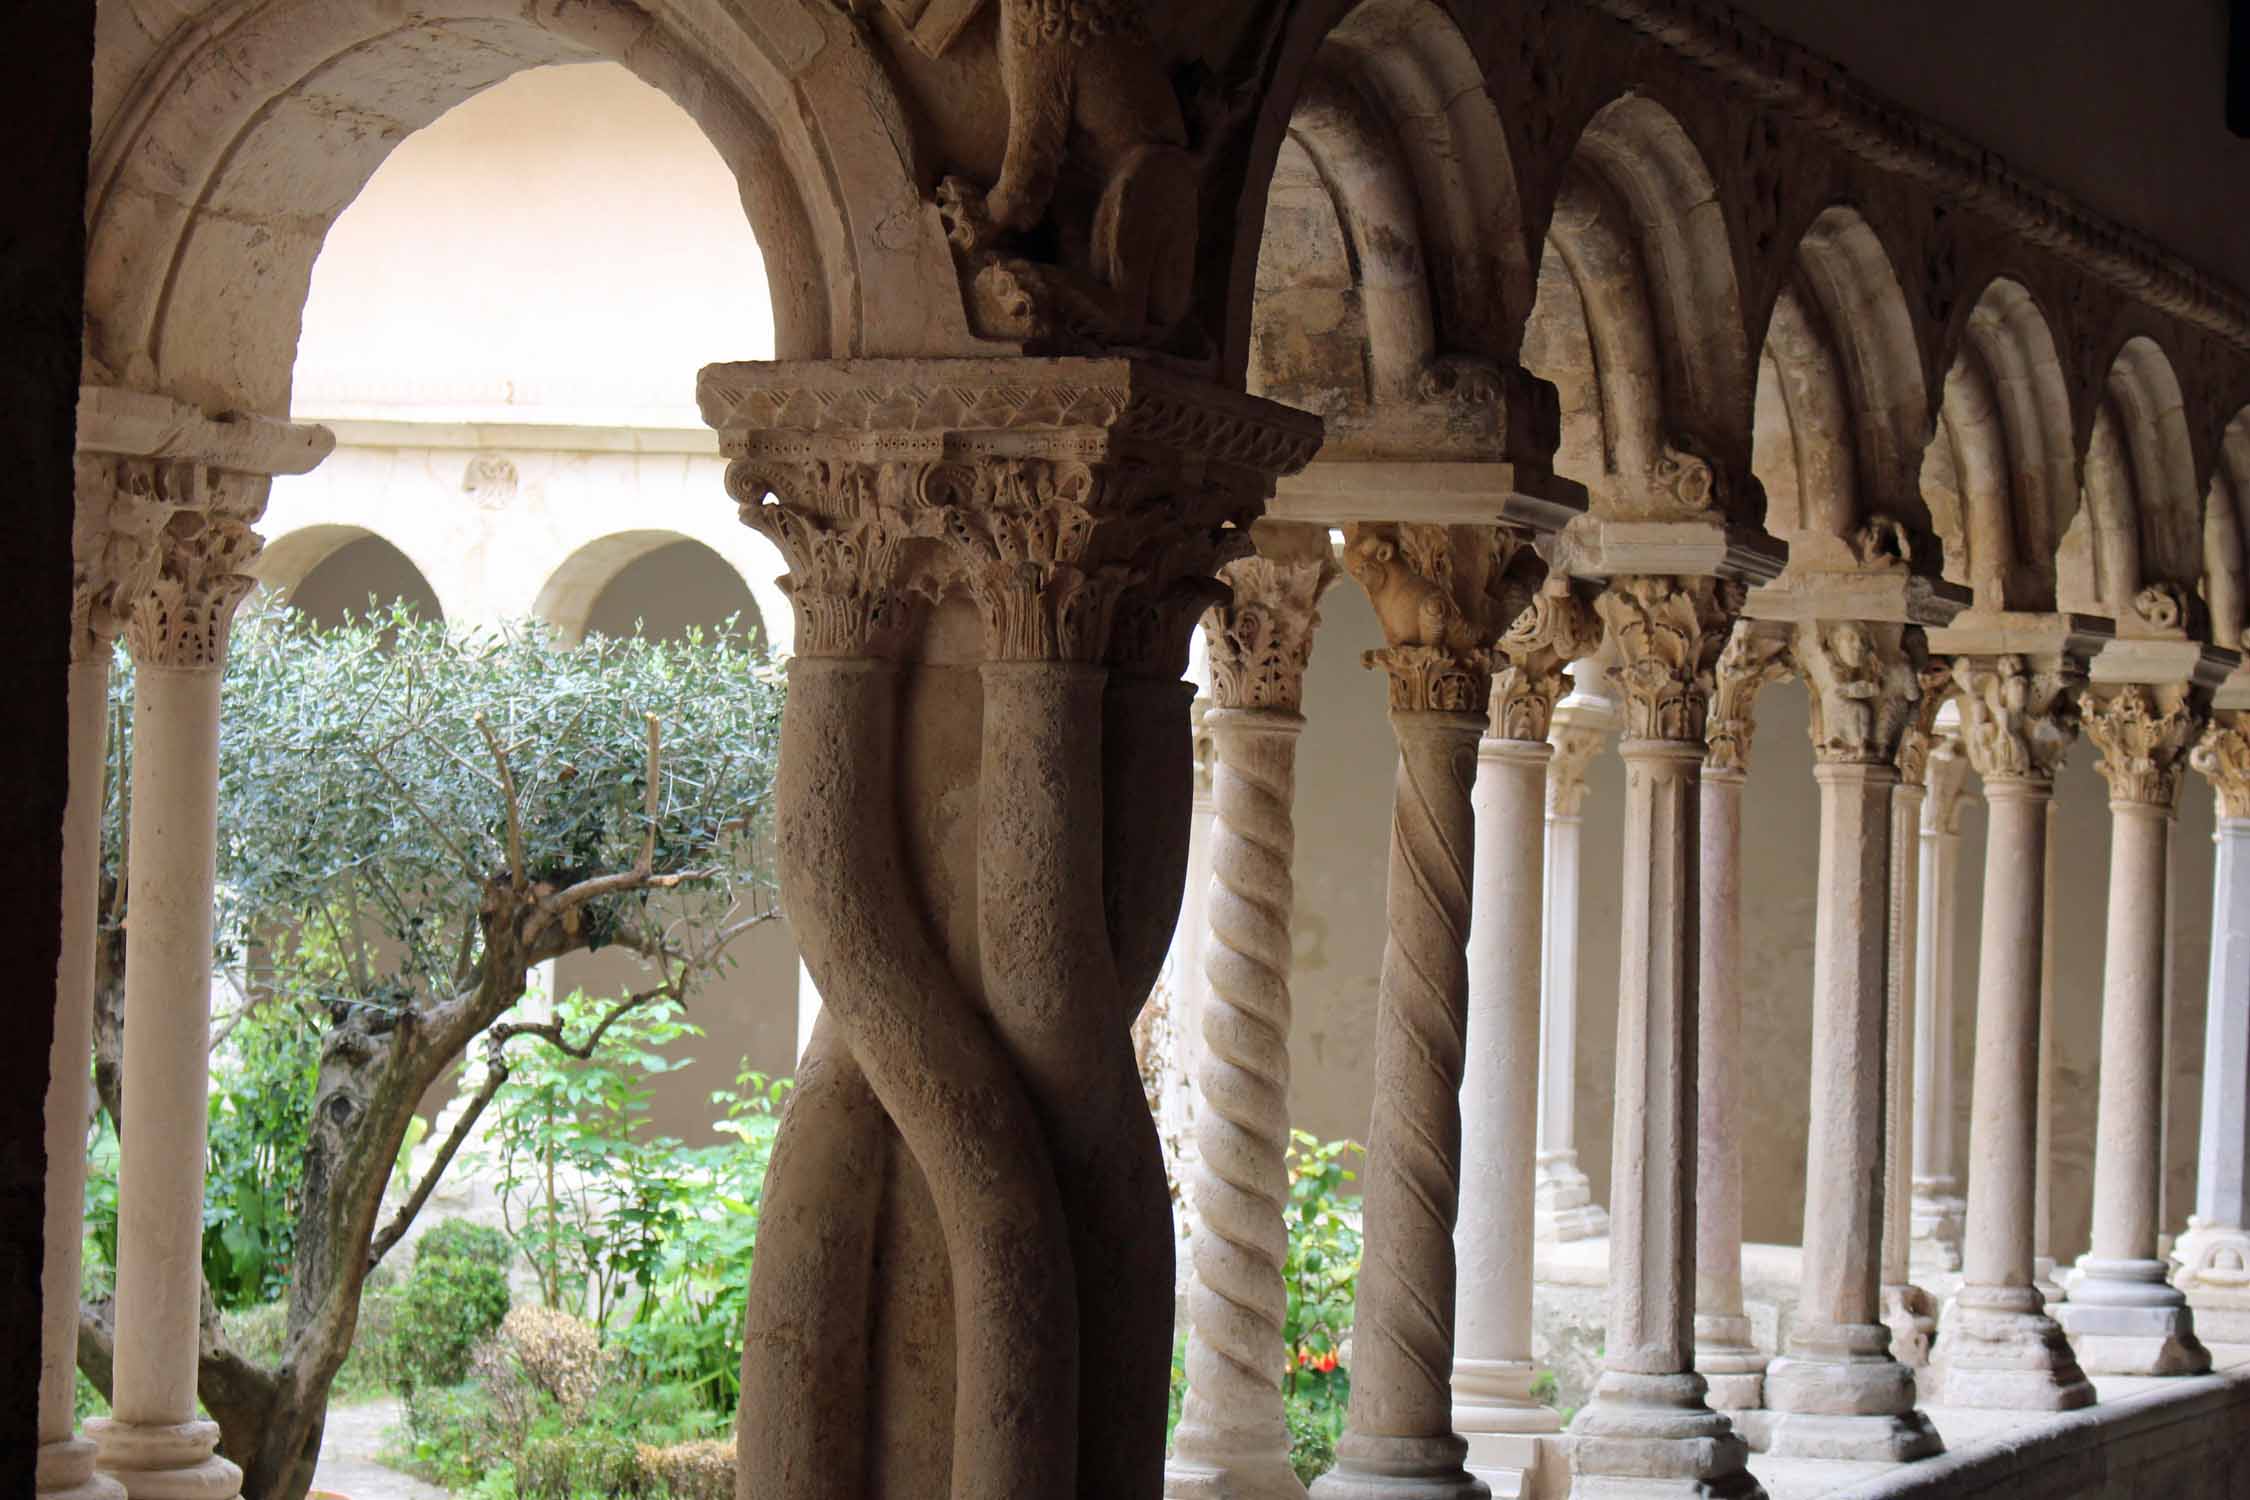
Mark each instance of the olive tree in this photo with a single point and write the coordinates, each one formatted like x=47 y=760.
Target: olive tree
x=410 y=819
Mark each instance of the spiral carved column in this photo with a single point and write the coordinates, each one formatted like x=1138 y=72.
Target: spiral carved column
x=1232 y=1440
x=965 y=1267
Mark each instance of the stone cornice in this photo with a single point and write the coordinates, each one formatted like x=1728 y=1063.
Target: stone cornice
x=1781 y=75
x=142 y=424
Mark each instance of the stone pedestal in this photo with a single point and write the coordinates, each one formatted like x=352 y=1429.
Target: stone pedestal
x=1647 y=1430
x=1998 y=1347
x=2122 y=1316
x=1563 y=1197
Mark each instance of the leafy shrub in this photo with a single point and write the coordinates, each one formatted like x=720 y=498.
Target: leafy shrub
x=593 y=1461
x=456 y=1296
x=701 y=1470
x=556 y=1353
x=1312 y=1439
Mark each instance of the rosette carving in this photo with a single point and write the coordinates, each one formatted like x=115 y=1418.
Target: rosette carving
x=2018 y=718
x=1865 y=679
x=1754 y=656
x=2222 y=756
x=2145 y=735
x=1669 y=632
x=1535 y=654
x=1431 y=589
x=204 y=550
x=1261 y=638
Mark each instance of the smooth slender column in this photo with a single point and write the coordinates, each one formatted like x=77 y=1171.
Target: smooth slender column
x=2123 y=1316
x=1999 y=1348
x=1493 y=1408
x=1647 y=1430
x=1726 y=1355
x=1564 y=1198
x=1938 y=1206
x=1232 y=1442
x=66 y=1461
x=1908 y=1310
x=2043 y=1150
x=1399 y=1442
x=1836 y=1390
x=2212 y=1260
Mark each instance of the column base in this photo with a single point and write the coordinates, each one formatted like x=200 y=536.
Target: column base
x=2000 y=1350
x=2214 y=1273
x=1911 y=1315
x=1838 y=1393
x=1377 y=1467
x=66 y=1472
x=1653 y=1435
x=2046 y=1282
x=1937 y=1223
x=176 y=1462
x=2123 y=1319
x=1731 y=1364
x=1493 y=1396
x=1266 y=1477
x=1563 y=1206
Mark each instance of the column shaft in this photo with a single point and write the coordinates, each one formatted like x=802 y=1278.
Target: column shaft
x=1937 y=1204
x=1566 y=1209
x=1492 y=1369
x=1907 y=1309
x=2043 y=1169
x=1725 y=1354
x=2213 y=1257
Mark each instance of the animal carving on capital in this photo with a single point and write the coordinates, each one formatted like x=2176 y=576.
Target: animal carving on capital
x=1088 y=238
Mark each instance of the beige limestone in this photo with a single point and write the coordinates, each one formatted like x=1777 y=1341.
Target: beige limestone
x=2211 y=1262
x=1908 y=1310
x=1937 y=1202
x=1583 y=722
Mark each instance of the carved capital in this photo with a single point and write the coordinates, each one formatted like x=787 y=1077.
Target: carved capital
x=2144 y=734
x=2222 y=756
x=1921 y=738
x=1576 y=745
x=1755 y=654
x=1669 y=632
x=1261 y=637
x=1865 y=679
x=115 y=543
x=1946 y=781
x=1556 y=629
x=848 y=542
x=2018 y=717
x=1431 y=587
x=204 y=551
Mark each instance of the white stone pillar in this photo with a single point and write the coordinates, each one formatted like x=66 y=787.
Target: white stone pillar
x=2212 y=1259
x=2043 y=1149
x=2122 y=1315
x=1999 y=1348
x=1647 y=1429
x=1232 y=1442
x=1493 y=1408
x=1908 y=1310
x=1565 y=1206
x=1938 y=1206
x=1836 y=1390
x=1726 y=1355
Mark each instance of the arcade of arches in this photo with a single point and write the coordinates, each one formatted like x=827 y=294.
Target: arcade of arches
x=1625 y=360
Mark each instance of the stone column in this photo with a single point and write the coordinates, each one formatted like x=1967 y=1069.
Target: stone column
x=2043 y=1131
x=1430 y=589
x=115 y=554
x=2000 y=1348
x=1937 y=1203
x=1836 y=1390
x=1564 y=1199
x=2122 y=1315
x=1493 y=1407
x=1647 y=1430
x=1908 y=1310
x=2212 y=1260
x=982 y=815
x=1726 y=1355
x=1232 y=1442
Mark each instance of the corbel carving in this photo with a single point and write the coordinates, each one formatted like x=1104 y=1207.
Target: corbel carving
x=1865 y=678
x=1430 y=589
x=2018 y=718
x=2145 y=735
x=1554 y=630
x=1669 y=633
x=1261 y=638
x=1755 y=654
x=1685 y=477
x=2162 y=606
x=2222 y=756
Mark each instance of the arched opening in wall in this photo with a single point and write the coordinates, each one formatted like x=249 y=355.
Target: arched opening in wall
x=2226 y=536
x=674 y=586
x=2134 y=552
x=355 y=576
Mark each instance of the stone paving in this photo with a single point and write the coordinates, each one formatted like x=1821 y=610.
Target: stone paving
x=348 y=1448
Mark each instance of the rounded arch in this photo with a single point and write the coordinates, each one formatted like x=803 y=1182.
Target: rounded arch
x=1386 y=101
x=302 y=567
x=2000 y=475
x=2226 y=535
x=571 y=597
x=2134 y=551
x=1648 y=289
x=215 y=182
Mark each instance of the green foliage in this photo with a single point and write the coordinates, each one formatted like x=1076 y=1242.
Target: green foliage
x=1312 y=1437
x=465 y=1239
x=261 y=1103
x=450 y=1303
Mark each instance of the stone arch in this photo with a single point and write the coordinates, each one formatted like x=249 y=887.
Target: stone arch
x=567 y=598
x=2134 y=552
x=215 y=180
x=1842 y=411
x=1638 y=321
x=2226 y=532
x=2000 y=474
x=289 y=559
x=1384 y=102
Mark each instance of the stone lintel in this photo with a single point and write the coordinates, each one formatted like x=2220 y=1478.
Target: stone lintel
x=1335 y=492
x=2021 y=633
x=1890 y=596
x=922 y=410
x=2163 y=662
x=143 y=424
x=1594 y=548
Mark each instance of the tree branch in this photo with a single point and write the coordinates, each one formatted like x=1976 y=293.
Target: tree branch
x=648 y=838
x=516 y=870
x=496 y=1074
x=423 y=813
